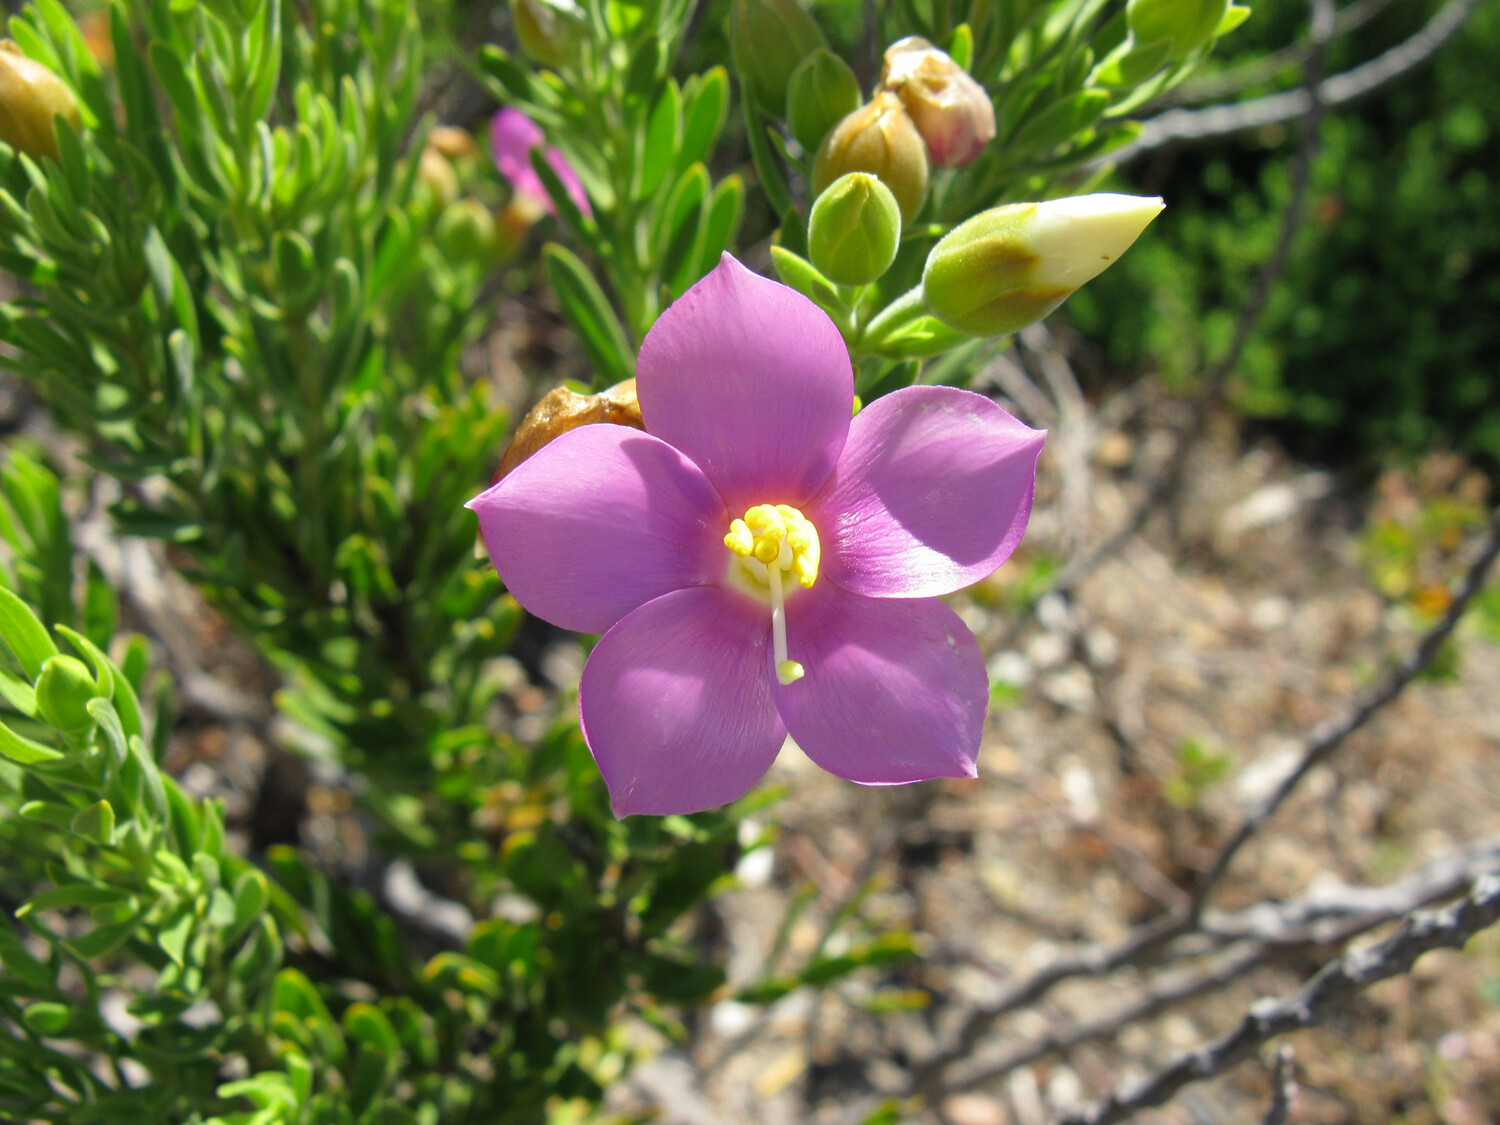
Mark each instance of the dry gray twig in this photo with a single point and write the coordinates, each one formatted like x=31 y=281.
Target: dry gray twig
x=1330 y=735
x=1283 y=1087
x=1150 y=938
x=1251 y=937
x=1179 y=126
x=1335 y=983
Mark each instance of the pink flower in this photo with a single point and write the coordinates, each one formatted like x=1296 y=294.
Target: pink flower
x=512 y=137
x=661 y=541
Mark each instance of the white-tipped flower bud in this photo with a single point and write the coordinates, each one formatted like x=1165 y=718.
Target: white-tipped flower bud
x=953 y=112
x=1009 y=267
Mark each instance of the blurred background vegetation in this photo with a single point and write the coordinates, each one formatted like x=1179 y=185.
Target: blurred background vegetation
x=1381 y=342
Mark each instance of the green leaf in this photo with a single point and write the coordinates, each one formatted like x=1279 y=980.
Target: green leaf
x=961 y=46
x=24 y=750
x=368 y=1026
x=173 y=937
x=663 y=136
x=47 y=1018
x=24 y=634
x=52 y=813
x=18 y=693
x=571 y=215
x=250 y=895
x=112 y=682
x=102 y=940
x=20 y=964
x=725 y=210
x=705 y=106
x=1234 y=15
x=766 y=169
x=1061 y=122
x=76 y=895
x=803 y=276
x=682 y=228
x=96 y=822
x=588 y=311
x=509 y=75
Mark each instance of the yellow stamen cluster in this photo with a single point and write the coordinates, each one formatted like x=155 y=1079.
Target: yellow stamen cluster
x=776 y=536
x=772 y=540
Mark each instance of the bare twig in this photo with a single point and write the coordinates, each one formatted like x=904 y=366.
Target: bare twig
x=1322 y=916
x=1148 y=939
x=1163 y=994
x=1283 y=1087
x=1236 y=79
x=1335 y=983
x=1330 y=735
x=1335 y=913
x=1178 y=126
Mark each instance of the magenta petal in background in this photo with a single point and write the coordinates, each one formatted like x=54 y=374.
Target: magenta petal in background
x=512 y=137
x=931 y=493
x=894 y=691
x=676 y=706
x=599 y=521
x=752 y=381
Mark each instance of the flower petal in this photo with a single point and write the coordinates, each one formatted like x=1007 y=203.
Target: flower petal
x=512 y=137
x=752 y=381
x=931 y=493
x=599 y=521
x=894 y=690
x=676 y=706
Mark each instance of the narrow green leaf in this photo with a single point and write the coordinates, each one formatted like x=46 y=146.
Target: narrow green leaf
x=46 y=1017
x=587 y=309
x=24 y=634
x=766 y=169
x=725 y=211
x=705 y=107
x=18 y=693
x=682 y=227
x=96 y=822
x=663 y=136
x=173 y=937
x=102 y=940
x=76 y=895
x=23 y=750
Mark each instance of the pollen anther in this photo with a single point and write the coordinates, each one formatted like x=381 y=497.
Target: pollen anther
x=771 y=541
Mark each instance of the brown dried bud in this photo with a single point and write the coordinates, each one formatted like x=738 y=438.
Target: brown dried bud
x=878 y=138
x=561 y=410
x=953 y=112
x=452 y=142
x=30 y=97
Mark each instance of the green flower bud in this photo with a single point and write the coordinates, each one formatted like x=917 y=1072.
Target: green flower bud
x=31 y=96
x=767 y=39
x=878 y=138
x=466 y=231
x=63 y=690
x=854 y=230
x=823 y=91
x=1009 y=267
x=1189 y=24
x=549 y=31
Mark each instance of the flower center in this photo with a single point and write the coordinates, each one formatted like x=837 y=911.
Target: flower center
x=771 y=541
